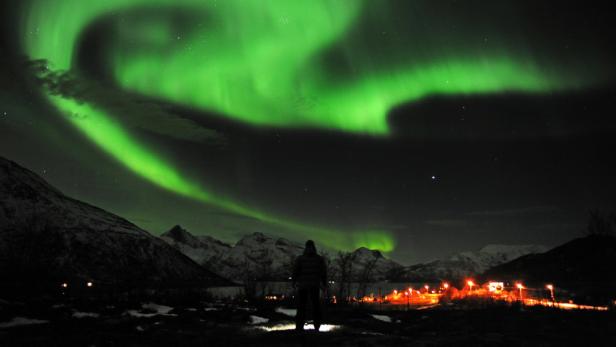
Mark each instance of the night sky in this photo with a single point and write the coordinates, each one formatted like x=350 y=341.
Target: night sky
x=421 y=128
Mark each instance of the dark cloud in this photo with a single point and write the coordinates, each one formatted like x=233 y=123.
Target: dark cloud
x=515 y=212
x=134 y=111
x=448 y=223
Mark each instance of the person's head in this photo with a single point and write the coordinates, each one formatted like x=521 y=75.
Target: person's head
x=310 y=248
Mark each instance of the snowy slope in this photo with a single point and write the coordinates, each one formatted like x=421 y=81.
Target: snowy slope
x=199 y=249
x=373 y=264
x=255 y=255
x=48 y=236
x=261 y=256
x=466 y=264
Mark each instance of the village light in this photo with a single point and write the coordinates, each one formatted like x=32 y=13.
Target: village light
x=470 y=285
x=520 y=288
x=408 y=299
x=496 y=287
x=550 y=287
x=89 y=284
x=64 y=285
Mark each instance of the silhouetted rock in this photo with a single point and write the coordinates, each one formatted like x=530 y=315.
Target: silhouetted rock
x=585 y=265
x=47 y=238
x=262 y=255
x=464 y=264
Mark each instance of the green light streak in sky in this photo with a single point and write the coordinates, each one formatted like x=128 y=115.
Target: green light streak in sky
x=259 y=62
x=112 y=138
x=256 y=61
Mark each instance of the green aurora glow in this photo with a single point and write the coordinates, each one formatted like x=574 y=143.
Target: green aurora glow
x=112 y=138
x=261 y=62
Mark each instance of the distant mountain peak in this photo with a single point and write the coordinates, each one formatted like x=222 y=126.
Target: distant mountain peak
x=177 y=228
x=180 y=235
x=256 y=237
x=471 y=263
x=178 y=231
x=363 y=251
x=256 y=250
x=500 y=248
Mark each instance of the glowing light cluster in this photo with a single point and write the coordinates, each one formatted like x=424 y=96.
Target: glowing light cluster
x=493 y=290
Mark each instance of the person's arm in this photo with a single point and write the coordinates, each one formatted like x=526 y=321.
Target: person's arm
x=323 y=273
x=296 y=271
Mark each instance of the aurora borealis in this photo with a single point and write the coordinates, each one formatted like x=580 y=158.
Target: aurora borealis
x=337 y=68
x=257 y=61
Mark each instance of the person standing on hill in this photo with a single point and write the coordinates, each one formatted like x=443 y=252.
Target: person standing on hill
x=309 y=275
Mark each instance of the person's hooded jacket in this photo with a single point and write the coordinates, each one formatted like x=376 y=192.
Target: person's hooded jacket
x=310 y=269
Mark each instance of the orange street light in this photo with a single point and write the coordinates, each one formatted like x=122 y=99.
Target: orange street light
x=446 y=285
x=470 y=285
x=408 y=299
x=427 y=288
x=550 y=287
x=520 y=288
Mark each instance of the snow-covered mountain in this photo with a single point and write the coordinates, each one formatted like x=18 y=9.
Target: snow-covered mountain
x=255 y=255
x=201 y=249
x=260 y=256
x=47 y=237
x=373 y=266
x=466 y=264
x=263 y=257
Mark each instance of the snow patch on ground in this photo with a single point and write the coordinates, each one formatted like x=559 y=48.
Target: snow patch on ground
x=372 y=333
x=291 y=326
x=159 y=310
x=291 y=312
x=382 y=318
x=18 y=321
x=78 y=314
x=258 y=320
x=427 y=307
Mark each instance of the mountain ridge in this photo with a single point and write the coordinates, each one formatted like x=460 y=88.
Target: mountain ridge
x=47 y=238
x=257 y=249
x=261 y=253
x=469 y=263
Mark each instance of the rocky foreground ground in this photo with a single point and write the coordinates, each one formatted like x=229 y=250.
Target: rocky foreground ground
x=241 y=324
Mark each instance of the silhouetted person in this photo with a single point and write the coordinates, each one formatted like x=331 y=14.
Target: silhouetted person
x=309 y=275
